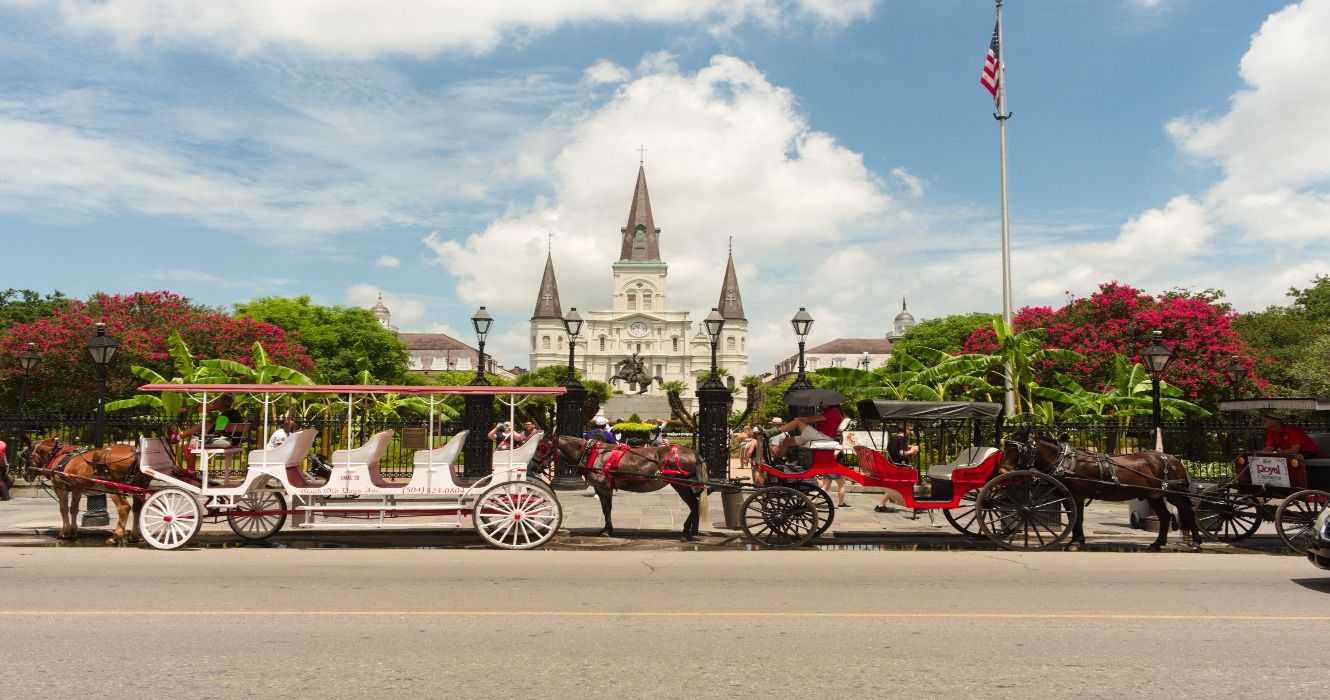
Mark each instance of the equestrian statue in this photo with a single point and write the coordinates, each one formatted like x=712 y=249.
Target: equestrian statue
x=633 y=370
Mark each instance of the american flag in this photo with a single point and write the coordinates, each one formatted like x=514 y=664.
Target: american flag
x=989 y=78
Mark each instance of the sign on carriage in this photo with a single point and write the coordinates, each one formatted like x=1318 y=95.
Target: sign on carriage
x=1270 y=471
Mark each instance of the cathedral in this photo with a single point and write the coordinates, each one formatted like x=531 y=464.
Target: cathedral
x=639 y=322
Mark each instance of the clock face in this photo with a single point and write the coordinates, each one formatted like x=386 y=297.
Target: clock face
x=638 y=329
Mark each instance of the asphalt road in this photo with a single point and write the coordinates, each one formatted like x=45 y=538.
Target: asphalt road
x=109 y=623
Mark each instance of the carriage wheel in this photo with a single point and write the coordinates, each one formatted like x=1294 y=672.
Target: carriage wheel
x=1226 y=514
x=779 y=517
x=262 y=514
x=1025 y=510
x=964 y=517
x=517 y=515
x=170 y=518
x=1296 y=515
x=826 y=512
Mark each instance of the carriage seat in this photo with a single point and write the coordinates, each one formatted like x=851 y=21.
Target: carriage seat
x=519 y=457
x=289 y=457
x=443 y=456
x=156 y=459
x=874 y=464
x=367 y=455
x=969 y=457
x=1322 y=441
x=829 y=444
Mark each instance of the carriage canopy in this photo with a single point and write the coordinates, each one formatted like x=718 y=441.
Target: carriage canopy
x=1275 y=404
x=888 y=410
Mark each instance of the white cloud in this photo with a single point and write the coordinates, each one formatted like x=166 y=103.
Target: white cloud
x=912 y=182
x=407 y=313
x=734 y=158
x=387 y=261
x=366 y=28
x=606 y=71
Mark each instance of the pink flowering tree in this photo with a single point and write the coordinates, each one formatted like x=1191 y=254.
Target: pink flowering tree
x=142 y=324
x=1118 y=321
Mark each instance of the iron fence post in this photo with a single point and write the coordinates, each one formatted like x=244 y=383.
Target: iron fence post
x=479 y=451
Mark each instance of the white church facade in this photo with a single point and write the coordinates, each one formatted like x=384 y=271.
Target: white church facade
x=640 y=321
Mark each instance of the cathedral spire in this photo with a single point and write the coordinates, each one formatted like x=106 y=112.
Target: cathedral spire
x=641 y=238
x=731 y=305
x=547 y=299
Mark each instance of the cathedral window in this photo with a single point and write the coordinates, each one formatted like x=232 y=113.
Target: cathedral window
x=676 y=344
x=743 y=344
x=812 y=363
x=559 y=339
x=632 y=301
x=640 y=238
x=729 y=382
x=533 y=342
x=729 y=343
x=646 y=300
x=602 y=343
x=544 y=342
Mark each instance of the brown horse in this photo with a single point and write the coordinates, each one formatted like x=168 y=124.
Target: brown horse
x=1153 y=476
x=640 y=470
x=71 y=468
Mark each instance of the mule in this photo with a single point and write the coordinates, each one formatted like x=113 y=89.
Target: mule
x=1159 y=478
x=640 y=470
x=69 y=467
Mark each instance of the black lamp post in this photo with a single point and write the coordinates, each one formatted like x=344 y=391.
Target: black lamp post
x=1157 y=358
x=803 y=323
x=713 y=404
x=481 y=322
x=26 y=361
x=1236 y=372
x=101 y=348
x=571 y=408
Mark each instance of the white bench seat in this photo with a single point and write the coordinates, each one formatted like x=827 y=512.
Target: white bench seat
x=969 y=457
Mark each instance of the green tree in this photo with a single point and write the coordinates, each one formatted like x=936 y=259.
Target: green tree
x=946 y=334
x=26 y=306
x=330 y=334
x=1284 y=339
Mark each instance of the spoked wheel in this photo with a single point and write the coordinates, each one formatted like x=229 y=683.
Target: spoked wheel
x=1226 y=514
x=517 y=515
x=779 y=517
x=964 y=517
x=170 y=519
x=826 y=512
x=1025 y=510
x=1296 y=515
x=258 y=515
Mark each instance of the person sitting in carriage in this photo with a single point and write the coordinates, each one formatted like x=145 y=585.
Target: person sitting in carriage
x=801 y=431
x=1288 y=440
x=601 y=433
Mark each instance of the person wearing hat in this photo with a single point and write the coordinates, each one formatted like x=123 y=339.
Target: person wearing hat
x=601 y=433
x=502 y=433
x=1288 y=440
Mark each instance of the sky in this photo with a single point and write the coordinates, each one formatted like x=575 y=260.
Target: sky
x=431 y=151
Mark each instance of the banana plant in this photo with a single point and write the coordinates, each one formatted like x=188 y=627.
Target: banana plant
x=169 y=403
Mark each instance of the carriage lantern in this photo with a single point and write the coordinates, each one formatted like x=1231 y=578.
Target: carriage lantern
x=481 y=321
x=1157 y=358
x=1236 y=372
x=714 y=323
x=572 y=323
x=101 y=348
x=803 y=323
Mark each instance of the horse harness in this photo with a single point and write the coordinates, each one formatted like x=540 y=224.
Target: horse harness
x=1067 y=460
x=64 y=454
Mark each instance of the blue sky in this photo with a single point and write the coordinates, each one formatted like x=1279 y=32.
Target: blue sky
x=335 y=148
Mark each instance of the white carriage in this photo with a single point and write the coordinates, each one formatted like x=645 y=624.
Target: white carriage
x=508 y=508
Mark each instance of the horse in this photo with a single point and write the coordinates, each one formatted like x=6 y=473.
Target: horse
x=1155 y=476
x=70 y=468
x=640 y=470
x=632 y=372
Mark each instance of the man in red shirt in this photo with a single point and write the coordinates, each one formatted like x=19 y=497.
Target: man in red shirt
x=822 y=426
x=1287 y=439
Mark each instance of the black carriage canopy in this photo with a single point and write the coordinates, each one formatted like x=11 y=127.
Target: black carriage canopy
x=1275 y=403
x=885 y=410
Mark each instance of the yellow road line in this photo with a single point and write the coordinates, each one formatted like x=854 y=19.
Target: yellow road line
x=663 y=614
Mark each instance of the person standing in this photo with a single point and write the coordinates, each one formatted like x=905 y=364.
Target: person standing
x=5 y=481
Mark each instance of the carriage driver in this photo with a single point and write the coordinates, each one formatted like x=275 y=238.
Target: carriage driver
x=1288 y=440
x=802 y=431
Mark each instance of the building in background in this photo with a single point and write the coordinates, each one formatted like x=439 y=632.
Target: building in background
x=860 y=353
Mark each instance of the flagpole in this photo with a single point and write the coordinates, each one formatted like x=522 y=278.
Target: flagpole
x=1002 y=115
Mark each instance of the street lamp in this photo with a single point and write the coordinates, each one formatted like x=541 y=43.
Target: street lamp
x=864 y=361
x=1157 y=358
x=714 y=323
x=1236 y=372
x=26 y=360
x=101 y=348
x=802 y=323
x=572 y=324
x=481 y=321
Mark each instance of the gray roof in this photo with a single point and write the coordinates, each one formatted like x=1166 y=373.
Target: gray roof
x=731 y=302
x=639 y=217
x=547 y=299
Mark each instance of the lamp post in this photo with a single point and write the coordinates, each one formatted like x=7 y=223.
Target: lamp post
x=571 y=408
x=26 y=361
x=479 y=410
x=1157 y=358
x=101 y=348
x=802 y=323
x=713 y=401
x=1236 y=372
x=864 y=361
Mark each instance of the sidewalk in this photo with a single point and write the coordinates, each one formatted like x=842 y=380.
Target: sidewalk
x=32 y=517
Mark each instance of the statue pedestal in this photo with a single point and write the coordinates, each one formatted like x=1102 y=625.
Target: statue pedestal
x=657 y=407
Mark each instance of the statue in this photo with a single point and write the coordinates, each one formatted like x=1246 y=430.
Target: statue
x=633 y=370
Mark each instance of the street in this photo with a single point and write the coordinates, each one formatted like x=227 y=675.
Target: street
x=256 y=622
